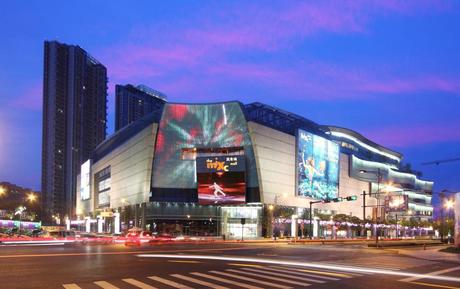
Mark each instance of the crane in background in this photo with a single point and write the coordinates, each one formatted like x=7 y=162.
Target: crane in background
x=441 y=161
x=442 y=194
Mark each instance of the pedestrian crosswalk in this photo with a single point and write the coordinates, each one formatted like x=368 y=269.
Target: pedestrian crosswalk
x=248 y=277
x=383 y=262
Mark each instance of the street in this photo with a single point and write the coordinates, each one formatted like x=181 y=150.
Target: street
x=245 y=265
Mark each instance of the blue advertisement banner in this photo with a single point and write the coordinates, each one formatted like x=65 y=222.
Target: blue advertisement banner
x=317 y=166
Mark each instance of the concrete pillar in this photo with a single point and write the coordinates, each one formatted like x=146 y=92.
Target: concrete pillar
x=116 y=223
x=294 y=226
x=315 y=227
x=87 y=224
x=67 y=223
x=100 y=221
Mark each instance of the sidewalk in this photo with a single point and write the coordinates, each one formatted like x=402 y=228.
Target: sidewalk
x=431 y=253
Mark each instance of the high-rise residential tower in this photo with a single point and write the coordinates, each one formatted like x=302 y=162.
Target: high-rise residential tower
x=133 y=102
x=74 y=122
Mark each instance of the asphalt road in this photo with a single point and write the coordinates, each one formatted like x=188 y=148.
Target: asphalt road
x=251 y=266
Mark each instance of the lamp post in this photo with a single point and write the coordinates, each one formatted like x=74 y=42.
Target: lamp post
x=29 y=198
x=448 y=204
x=272 y=207
x=444 y=205
x=379 y=175
x=310 y=233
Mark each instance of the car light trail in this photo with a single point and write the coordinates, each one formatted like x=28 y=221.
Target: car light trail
x=304 y=264
x=32 y=242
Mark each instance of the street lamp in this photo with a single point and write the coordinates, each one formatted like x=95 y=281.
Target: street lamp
x=31 y=197
x=2 y=191
x=445 y=204
x=272 y=207
x=379 y=176
x=449 y=204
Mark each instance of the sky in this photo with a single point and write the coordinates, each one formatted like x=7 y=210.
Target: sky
x=387 y=69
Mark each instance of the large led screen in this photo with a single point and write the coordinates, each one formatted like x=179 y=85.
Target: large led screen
x=317 y=166
x=221 y=180
x=203 y=126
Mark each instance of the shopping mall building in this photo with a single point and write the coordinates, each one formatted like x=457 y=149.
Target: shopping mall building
x=199 y=169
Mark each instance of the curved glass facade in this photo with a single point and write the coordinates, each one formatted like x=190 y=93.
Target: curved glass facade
x=188 y=131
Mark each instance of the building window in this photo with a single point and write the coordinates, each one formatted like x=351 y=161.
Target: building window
x=102 y=180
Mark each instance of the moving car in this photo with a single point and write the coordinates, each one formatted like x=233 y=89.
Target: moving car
x=88 y=238
x=138 y=237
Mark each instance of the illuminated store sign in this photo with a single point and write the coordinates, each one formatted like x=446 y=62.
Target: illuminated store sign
x=85 y=180
x=221 y=180
x=220 y=164
x=317 y=166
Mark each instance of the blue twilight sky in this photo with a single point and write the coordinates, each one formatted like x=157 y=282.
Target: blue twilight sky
x=388 y=69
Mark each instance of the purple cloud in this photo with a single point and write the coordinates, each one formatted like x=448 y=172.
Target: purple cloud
x=416 y=134
x=31 y=98
x=202 y=53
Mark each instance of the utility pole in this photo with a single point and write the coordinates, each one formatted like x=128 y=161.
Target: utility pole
x=310 y=233
x=364 y=206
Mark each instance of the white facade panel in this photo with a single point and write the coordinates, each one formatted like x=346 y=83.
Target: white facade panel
x=131 y=170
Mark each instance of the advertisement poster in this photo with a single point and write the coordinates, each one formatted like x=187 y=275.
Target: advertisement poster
x=396 y=203
x=85 y=180
x=317 y=166
x=221 y=180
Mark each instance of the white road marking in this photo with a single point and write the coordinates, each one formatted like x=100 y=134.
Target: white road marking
x=105 y=285
x=251 y=280
x=268 y=277
x=431 y=274
x=361 y=270
x=199 y=282
x=225 y=280
x=295 y=272
x=322 y=272
x=138 y=284
x=283 y=275
x=169 y=282
x=71 y=286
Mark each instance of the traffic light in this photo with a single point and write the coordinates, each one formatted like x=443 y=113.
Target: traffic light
x=351 y=198
x=335 y=200
x=340 y=199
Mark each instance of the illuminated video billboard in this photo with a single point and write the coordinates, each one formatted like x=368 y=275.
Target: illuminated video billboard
x=317 y=166
x=396 y=203
x=221 y=180
x=184 y=127
x=85 y=180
